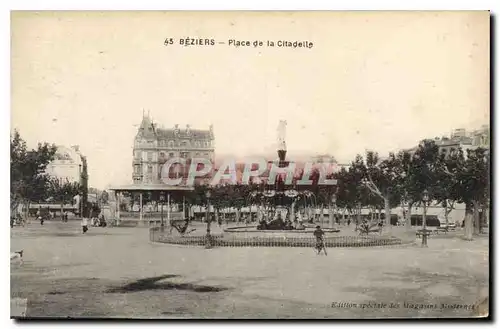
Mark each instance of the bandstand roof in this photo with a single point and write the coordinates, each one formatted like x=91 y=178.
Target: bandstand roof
x=151 y=187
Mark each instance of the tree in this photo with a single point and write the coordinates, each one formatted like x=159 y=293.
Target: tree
x=27 y=171
x=474 y=187
x=63 y=191
x=448 y=184
x=84 y=182
x=352 y=192
x=421 y=174
x=407 y=186
x=382 y=179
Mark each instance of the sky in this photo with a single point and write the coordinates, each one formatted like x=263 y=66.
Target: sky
x=372 y=80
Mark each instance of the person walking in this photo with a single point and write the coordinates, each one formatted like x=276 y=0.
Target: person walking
x=85 y=224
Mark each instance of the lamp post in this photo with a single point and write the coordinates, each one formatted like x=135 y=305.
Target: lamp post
x=162 y=200
x=334 y=203
x=208 y=240
x=425 y=199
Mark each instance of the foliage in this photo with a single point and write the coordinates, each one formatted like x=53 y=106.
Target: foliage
x=63 y=191
x=28 y=180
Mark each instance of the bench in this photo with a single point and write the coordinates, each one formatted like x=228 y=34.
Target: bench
x=442 y=229
x=419 y=233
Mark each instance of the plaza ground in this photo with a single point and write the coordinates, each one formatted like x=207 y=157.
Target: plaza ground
x=117 y=272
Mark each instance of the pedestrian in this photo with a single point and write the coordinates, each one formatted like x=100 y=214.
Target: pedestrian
x=320 y=243
x=40 y=218
x=85 y=227
x=348 y=222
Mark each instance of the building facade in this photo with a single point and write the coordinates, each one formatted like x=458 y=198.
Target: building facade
x=462 y=139
x=67 y=164
x=154 y=145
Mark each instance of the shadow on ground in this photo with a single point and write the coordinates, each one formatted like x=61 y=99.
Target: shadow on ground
x=153 y=284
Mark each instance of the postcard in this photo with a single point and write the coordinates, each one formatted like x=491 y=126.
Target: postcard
x=250 y=165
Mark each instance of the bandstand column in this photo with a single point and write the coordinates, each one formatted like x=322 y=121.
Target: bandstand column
x=118 y=201
x=168 y=209
x=184 y=207
x=140 y=206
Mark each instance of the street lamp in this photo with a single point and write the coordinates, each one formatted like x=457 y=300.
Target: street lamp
x=162 y=201
x=334 y=202
x=208 y=241
x=425 y=199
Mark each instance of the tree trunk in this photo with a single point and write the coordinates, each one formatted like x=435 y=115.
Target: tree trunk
x=486 y=215
x=26 y=210
x=237 y=215
x=446 y=213
x=387 y=207
x=330 y=214
x=62 y=210
x=468 y=229
x=321 y=217
x=358 y=215
x=408 y=217
x=477 y=223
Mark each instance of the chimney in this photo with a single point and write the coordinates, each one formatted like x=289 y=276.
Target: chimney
x=188 y=129
x=76 y=148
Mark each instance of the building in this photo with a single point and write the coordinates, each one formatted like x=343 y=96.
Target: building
x=154 y=145
x=67 y=164
x=462 y=139
x=481 y=137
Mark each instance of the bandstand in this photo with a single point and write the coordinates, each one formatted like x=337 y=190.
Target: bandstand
x=163 y=194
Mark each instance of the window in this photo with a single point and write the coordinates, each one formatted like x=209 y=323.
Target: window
x=162 y=154
x=170 y=143
x=150 y=169
x=150 y=156
x=171 y=154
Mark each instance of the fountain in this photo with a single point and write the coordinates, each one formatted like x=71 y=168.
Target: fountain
x=283 y=220
x=279 y=208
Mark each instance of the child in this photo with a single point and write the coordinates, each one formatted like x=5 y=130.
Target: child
x=320 y=245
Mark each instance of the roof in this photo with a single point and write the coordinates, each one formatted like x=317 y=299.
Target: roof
x=149 y=129
x=182 y=133
x=151 y=187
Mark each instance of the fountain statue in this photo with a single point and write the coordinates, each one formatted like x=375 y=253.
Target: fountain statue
x=277 y=207
x=282 y=141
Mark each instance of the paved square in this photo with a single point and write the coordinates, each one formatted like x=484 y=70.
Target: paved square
x=117 y=272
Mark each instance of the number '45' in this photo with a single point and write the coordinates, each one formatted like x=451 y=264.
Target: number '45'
x=168 y=41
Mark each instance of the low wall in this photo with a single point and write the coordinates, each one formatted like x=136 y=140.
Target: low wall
x=303 y=240
x=248 y=232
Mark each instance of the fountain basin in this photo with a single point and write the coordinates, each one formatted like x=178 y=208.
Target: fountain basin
x=252 y=231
